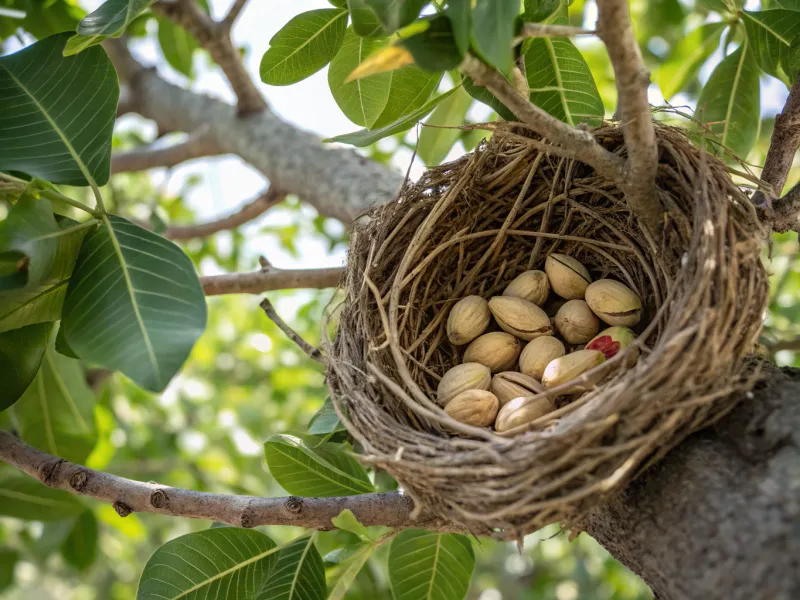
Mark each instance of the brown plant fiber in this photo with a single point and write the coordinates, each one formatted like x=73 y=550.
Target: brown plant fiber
x=471 y=226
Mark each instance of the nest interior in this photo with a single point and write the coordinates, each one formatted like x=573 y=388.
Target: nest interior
x=471 y=226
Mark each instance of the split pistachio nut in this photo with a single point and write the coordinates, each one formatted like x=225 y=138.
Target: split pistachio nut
x=474 y=407
x=614 y=302
x=568 y=277
x=576 y=322
x=521 y=411
x=510 y=384
x=533 y=286
x=468 y=318
x=519 y=317
x=497 y=350
x=538 y=353
x=568 y=367
x=612 y=341
x=467 y=376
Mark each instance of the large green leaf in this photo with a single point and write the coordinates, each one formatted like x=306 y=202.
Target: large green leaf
x=364 y=19
x=79 y=549
x=493 y=31
x=307 y=468
x=730 y=102
x=425 y=565
x=21 y=353
x=365 y=138
x=303 y=46
x=363 y=100
x=325 y=420
x=481 y=94
x=561 y=82
x=539 y=10
x=48 y=17
x=771 y=34
x=134 y=303
x=297 y=575
x=57 y=113
x=686 y=57
x=437 y=140
x=109 y=20
x=435 y=49
x=45 y=252
x=213 y=564
x=23 y=497
x=177 y=45
x=410 y=90
x=459 y=13
x=347 y=571
x=56 y=413
x=394 y=14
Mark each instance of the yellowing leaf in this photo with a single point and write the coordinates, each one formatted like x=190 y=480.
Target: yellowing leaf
x=387 y=59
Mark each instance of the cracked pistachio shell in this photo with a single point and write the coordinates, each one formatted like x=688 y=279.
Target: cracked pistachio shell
x=533 y=286
x=576 y=322
x=538 y=353
x=496 y=350
x=568 y=277
x=510 y=384
x=474 y=407
x=614 y=302
x=568 y=367
x=520 y=412
x=468 y=376
x=519 y=317
x=612 y=341
x=468 y=318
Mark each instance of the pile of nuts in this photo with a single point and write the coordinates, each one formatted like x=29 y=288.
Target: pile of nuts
x=498 y=376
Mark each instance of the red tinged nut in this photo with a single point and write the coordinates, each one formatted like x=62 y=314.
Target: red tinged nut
x=612 y=341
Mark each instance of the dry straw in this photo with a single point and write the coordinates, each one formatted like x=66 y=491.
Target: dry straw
x=469 y=227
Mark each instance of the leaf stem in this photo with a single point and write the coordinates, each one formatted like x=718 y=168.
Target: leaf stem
x=55 y=195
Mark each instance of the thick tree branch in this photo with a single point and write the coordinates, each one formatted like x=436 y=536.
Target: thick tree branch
x=233 y=14
x=215 y=37
x=127 y=496
x=547 y=30
x=782 y=150
x=579 y=142
x=271 y=279
x=616 y=30
x=198 y=145
x=338 y=182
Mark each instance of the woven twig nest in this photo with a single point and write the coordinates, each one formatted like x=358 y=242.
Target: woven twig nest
x=469 y=227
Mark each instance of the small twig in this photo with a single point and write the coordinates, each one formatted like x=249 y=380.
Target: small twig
x=546 y=30
x=198 y=145
x=793 y=345
x=271 y=279
x=233 y=14
x=312 y=352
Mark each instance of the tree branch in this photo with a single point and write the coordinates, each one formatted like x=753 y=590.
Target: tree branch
x=547 y=30
x=198 y=145
x=783 y=147
x=233 y=14
x=341 y=184
x=215 y=37
x=271 y=279
x=639 y=184
x=580 y=142
x=391 y=509
x=310 y=351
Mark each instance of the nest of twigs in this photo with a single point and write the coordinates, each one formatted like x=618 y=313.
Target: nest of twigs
x=469 y=227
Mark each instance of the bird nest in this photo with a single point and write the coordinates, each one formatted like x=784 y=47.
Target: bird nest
x=471 y=226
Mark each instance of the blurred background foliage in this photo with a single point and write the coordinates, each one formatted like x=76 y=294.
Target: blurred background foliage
x=246 y=381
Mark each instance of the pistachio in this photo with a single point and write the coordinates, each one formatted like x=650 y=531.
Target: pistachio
x=614 y=302
x=474 y=407
x=568 y=277
x=519 y=317
x=576 y=322
x=538 y=353
x=521 y=411
x=496 y=350
x=532 y=286
x=568 y=367
x=510 y=384
x=469 y=376
x=468 y=318
x=611 y=341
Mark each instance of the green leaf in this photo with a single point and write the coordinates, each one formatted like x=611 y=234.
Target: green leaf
x=436 y=142
x=363 y=100
x=177 y=45
x=298 y=574
x=79 y=549
x=686 y=57
x=21 y=353
x=410 y=90
x=8 y=561
x=303 y=46
x=347 y=521
x=730 y=101
x=23 y=497
x=347 y=571
x=46 y=251
x=770 y=34
x=458 y=11
x=109 y=20
x=325 y=420
x=493 y=31
x=720 y=6
x=561 y=82
x=56 y=413
x=365 y=138
x=435 y=49
x=134 y=303
x=43 y=18
x=365 y=21
x=339 y=3
x=481 y=94
x=224 y=562
x=425 y=565
x=539 y=10
x=317 y=471
x=394 y=14
x=57 y=114
x=61 y=345
x=790 y=4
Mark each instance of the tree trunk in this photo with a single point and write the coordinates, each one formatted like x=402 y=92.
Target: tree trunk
x=719 y=517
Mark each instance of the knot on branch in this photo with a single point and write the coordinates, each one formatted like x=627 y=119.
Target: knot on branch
x=159 y=499
x=48 y=472
x=78 y=480
x=123 y=510
x=293 y=504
